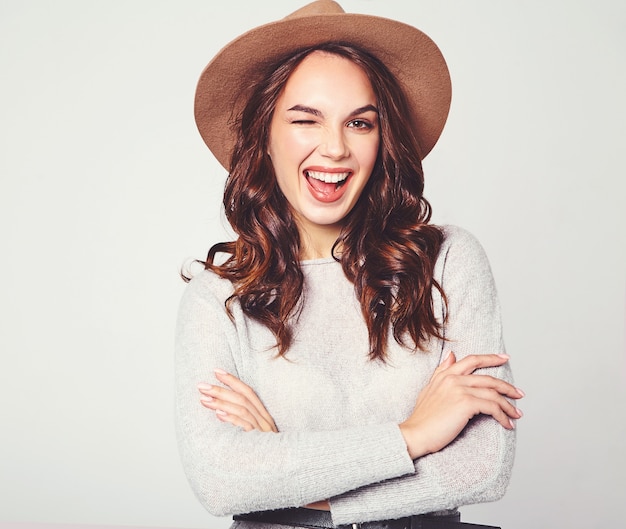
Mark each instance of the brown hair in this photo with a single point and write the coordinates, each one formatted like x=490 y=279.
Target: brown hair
x=388 y=249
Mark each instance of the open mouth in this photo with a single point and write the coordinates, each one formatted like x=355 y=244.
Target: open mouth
x=324 y=182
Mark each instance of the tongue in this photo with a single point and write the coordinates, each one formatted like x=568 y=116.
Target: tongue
x=322 y=187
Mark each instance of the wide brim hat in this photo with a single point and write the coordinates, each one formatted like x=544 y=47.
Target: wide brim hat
x=413 y=58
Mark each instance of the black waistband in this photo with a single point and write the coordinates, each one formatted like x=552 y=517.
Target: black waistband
x=314 y=519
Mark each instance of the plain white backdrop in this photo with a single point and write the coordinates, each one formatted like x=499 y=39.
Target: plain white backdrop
x=106 y=188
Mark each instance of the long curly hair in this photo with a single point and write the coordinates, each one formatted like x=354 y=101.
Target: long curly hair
x=388 y=247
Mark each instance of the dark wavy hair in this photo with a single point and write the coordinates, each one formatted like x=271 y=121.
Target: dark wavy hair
x=388 y=248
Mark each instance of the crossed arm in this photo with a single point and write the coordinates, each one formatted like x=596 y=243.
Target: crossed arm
x=454 y=395
x=453 y=448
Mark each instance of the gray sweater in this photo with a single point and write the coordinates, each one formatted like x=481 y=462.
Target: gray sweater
x=337 y=412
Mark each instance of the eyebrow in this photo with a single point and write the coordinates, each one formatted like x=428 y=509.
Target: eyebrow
x=318 y=113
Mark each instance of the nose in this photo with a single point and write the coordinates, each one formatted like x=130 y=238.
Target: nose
x=334 y=144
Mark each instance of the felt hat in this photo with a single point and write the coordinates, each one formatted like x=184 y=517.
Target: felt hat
x=410 y=55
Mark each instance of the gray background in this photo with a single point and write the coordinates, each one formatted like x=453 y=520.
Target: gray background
x=106 y=188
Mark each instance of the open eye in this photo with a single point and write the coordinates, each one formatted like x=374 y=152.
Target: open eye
x=360 y=124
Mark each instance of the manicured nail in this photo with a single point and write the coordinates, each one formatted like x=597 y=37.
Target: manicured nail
x=203 y=386
x=445 y=356
x=207 y=400
x=505 y=356
x=519 y=412
x=520 y=392
x=220 y=371
x=221 y=412
x=512 y=423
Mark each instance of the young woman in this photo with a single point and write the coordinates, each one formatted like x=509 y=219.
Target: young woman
x=341 y=361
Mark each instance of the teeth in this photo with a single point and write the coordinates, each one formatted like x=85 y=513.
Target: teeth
x=329 y=178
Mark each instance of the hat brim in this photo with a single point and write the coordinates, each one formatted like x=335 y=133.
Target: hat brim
x=410 y=55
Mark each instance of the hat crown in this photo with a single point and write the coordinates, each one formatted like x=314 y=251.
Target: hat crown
x=320 y=7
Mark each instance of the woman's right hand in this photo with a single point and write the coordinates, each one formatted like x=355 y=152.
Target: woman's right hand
x=455 y=394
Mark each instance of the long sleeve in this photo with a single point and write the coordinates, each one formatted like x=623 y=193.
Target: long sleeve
x=232 y=471
x=476 y=467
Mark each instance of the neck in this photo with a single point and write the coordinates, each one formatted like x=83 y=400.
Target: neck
x=317 y=242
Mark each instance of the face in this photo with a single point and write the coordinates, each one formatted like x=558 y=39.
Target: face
x=324 y=139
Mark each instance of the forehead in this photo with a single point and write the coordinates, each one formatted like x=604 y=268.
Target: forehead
x=322 y=72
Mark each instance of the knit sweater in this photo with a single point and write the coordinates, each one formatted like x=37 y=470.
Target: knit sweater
x=336 y=410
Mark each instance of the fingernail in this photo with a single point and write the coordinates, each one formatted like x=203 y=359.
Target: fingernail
x=207 y=400
x=446 y=356
x=519 y=412
x=520 y=392
x=505 y=356
x=203 y=386
x=220 y=371
x=221 y=412
x=512 y=423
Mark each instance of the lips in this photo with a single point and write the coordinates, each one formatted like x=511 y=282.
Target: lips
x=327 y=186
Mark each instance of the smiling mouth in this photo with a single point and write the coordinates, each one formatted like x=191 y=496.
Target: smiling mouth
x=338 y=179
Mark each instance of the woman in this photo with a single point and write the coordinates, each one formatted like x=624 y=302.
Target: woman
x=321 y=339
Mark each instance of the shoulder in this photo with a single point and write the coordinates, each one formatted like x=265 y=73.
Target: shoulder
x=205 y=289
x=461 y=257
x=459 y=239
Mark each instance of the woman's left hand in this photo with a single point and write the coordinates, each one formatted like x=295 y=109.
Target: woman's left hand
x=237 y=404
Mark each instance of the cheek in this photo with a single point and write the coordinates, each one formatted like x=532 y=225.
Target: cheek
x=368 y=153
x=284 y=158
x=288 y=149
x=300 y=143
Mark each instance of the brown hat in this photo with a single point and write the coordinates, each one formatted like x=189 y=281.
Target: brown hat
x=409 y=54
